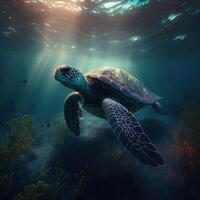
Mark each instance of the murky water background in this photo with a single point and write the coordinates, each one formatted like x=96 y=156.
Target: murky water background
x=155 y=41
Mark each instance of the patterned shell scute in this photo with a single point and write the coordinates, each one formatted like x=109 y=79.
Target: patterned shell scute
x=125 y=83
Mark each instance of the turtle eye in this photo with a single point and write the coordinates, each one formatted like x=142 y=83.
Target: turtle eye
x=70 y=73
x=65 y=70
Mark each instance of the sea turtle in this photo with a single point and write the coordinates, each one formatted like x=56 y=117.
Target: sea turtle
x=113 y=94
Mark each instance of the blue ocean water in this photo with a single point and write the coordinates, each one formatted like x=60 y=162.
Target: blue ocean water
x=155 y=41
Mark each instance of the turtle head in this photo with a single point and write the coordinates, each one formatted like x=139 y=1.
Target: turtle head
x=70 y=77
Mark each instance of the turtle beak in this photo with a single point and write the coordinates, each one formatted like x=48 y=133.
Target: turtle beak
x=56 y=72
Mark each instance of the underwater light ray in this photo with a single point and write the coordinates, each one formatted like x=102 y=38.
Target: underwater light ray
x=55 y=59
x=59 y=55
x=37 y=67
x=34 y=80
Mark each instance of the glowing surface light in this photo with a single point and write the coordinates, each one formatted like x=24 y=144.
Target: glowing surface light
x=111 y=4
x=135 y=38
x=115 y=42
x=118 y=7
x=100 y=7
x=180 y=37
x=171 y=18
x=72 y=5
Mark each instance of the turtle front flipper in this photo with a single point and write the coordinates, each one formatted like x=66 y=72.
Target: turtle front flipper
x=129 y=131
x=72 y=111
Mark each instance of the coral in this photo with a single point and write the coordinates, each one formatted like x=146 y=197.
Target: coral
x=38 y=191
x=186 y=149
x=5 y=185
x=189 y=127
x=187 y=133
x=16 y=139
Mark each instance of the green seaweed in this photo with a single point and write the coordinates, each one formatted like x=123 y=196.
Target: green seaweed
x=37 y=191
x=16 y=139
x=81 y=183
x=59 y=180
x=5 y=185
x=52 y=187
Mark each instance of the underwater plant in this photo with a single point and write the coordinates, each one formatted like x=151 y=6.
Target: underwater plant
x=59 y=180
x=16 y=140
x=37 y=191
x=80 y=183
x=51 y=187
x=5 y=185
x=59 y=134
x=186 y=149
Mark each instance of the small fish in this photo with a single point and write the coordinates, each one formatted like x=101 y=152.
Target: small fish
x=11 y=103
x=24 y=81
x=48 y=125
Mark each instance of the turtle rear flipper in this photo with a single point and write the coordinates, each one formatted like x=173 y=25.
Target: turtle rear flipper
x=72 y=112
x=129 y=131
x=159 y=109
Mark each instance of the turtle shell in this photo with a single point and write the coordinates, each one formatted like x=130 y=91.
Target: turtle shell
x=125 y=83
